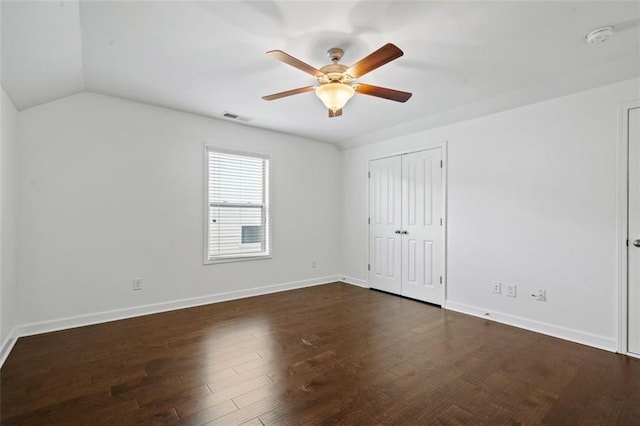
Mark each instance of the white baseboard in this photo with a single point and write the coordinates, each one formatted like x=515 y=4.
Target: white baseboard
x=354 y=281
x=7 y=345
x=118 y=314
x=572 y=335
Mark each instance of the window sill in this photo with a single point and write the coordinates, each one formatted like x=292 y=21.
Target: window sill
x=235 y=259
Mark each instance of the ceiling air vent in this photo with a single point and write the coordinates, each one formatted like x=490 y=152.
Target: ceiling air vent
x=232 y=116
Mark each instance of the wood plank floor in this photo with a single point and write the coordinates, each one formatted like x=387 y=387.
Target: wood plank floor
x=332 y=354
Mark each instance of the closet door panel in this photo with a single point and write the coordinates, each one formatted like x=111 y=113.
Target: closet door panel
x=422 y=236
x=385 y=224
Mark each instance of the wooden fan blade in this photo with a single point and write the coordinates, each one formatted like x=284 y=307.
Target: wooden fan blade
x=288 y=93
x=338 y=113
x=385 y=54
x=296 y=63
x=382 y=92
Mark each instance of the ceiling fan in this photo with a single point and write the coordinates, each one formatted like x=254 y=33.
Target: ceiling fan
x=337 y=82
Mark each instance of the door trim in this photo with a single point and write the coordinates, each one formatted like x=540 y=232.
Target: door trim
x=443 y=145
x=622 y=207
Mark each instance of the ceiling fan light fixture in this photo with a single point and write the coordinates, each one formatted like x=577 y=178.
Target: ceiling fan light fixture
x=335 y=95
x=335 y=80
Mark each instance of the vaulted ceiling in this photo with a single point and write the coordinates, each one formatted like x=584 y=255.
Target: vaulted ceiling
x=461 y=59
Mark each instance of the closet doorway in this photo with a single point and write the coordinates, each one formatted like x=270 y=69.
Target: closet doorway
x=407 y=225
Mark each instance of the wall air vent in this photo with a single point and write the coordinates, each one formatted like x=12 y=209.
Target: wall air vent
x=232 y=116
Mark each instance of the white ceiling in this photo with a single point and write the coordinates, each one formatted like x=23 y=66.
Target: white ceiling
x=462 y=59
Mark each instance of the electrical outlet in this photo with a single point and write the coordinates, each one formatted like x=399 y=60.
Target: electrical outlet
x=511 y=290
x=496 y=288
x=540 y=295
x=137 y=284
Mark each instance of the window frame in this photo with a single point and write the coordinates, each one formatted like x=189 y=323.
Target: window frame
x=206 y=260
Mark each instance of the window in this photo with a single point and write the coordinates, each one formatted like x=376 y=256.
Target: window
x=237 y=206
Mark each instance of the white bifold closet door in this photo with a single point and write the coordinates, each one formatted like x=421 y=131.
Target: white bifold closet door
x=385 y=221
x=406 y=225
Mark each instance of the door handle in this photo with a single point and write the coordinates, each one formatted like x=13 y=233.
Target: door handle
x=404 y=232
x=636 y=243
x=398 y=231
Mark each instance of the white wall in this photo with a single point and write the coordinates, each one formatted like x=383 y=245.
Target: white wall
x=8 y=218
x=531 y=201
x=112 y=190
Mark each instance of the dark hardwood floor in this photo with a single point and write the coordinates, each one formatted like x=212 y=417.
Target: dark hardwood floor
x=332 y=354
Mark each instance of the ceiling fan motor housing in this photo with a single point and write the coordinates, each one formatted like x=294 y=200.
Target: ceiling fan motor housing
x=334 y=73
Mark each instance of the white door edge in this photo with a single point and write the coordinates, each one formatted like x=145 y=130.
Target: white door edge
x=622 y=196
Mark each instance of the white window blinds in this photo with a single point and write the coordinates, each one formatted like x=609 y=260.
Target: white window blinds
x=238 y=195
